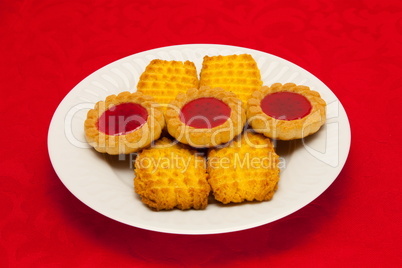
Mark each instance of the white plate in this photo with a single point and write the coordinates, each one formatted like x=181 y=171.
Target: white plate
x=106 y=183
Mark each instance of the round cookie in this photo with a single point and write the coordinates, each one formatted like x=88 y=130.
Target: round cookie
x=286 y=112
x=124 y=123
x=205 y=117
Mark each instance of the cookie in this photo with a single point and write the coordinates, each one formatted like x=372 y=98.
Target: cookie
x=124 y=123
x=205 y=117
x=171 y=175
x=245 y=170
x=235 y=73
x=286 y=112
x=164 y=79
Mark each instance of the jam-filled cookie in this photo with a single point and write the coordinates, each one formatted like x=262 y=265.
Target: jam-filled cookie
x=286 y=112
x=246 y=170
x=170 y=175
x=164 y=79
x=236 y=73
x=205 y=117
x=124 y=123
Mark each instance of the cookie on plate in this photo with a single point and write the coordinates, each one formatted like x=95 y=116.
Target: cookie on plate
x=170 y=175
x=236 y=73
x=246 y=170
x=205 y=117
x=164 y=79
x=286 y=112
x=124 y=123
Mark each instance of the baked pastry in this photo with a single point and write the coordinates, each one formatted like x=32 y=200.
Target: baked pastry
x=164 y=79
x=124 y=123
x=286 y=112
x=246 y=170
x=170 y=175
x=205 y=117
x=236 y=73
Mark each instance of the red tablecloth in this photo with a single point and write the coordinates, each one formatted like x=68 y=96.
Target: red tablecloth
x=47 y=47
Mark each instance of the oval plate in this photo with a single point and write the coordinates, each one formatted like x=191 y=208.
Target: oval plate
x=105 y=183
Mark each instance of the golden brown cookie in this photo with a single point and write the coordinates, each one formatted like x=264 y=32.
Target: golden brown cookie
x=286 y=112
x=246 y=170
x=171 y=176
x=206 y=117
x=164 y=79
x=124 y=123
x=236 y=73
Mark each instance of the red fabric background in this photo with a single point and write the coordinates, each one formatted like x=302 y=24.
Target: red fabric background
x=47 y=47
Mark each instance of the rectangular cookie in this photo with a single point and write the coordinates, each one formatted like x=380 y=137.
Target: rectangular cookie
x=236 y=73
x=164 y=79
x=171 y=176
x=246 y=170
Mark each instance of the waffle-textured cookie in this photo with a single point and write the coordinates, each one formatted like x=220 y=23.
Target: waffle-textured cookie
x=164 y=79
x=171 y=176
x=236 y=73
x=246 y=170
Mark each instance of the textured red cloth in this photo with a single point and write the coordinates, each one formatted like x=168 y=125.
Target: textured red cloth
x=47 y=47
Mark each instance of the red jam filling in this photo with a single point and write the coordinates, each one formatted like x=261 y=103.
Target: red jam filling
x=205 y=113
x=122 y=119
x=286 y=105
